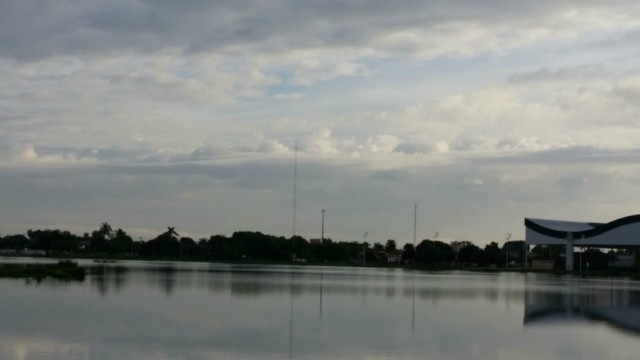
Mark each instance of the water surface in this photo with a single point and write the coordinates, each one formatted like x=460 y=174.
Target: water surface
x=162 y=310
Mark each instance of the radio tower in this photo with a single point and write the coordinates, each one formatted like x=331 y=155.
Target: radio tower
x=415 y=222
x=295 y=185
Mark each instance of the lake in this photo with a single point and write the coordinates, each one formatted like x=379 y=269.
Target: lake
x=163 y=310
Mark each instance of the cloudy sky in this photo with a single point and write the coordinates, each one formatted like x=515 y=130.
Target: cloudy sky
x=148 y=114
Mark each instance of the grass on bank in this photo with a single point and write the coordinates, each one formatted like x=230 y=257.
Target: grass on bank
x=62 y=270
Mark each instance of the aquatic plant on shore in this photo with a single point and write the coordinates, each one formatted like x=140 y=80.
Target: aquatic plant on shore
x=63 y=270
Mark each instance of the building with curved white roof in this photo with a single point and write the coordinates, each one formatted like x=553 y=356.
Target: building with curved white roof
x=623 y=232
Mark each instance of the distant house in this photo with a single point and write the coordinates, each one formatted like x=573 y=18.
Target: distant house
x=84 y=244
x=394 y=257
x=315 y=241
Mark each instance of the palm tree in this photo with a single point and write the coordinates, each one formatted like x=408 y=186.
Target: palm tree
x=171 y=232
x=101 y=236
x=105 y=231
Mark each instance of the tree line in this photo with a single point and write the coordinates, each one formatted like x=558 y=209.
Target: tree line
x=258 y=247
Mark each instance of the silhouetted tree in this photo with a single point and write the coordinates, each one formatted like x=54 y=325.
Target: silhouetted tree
x=408 y=252
x=390 y=246
x=14 y=242
x=431 y=252
x=105 y=230
x=164 y=245
x=121 y=243
x=189 y=248
x=491 y=254
x=52 y=240
x=470 y=254
x=100 y=238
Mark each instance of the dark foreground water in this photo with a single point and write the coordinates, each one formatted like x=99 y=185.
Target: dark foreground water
x=156 y=310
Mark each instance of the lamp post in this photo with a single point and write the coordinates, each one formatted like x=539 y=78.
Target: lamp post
x=506 y=250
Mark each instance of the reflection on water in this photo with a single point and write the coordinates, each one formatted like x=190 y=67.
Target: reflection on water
x=616 y=303
x=161 y=310
x=106 y=278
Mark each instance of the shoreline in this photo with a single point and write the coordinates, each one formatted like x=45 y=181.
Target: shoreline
x=618 y=273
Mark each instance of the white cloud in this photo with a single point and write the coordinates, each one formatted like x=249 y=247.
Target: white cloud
x=24 y=152
x=288 y=96
x=273 y=146
x=477 y=181
x=381 y=144
x=311 y=71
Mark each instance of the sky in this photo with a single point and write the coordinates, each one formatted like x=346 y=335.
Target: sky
x=147 y=114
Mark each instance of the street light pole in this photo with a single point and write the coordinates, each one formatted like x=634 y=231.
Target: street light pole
x=506 y=251
x=506 y=254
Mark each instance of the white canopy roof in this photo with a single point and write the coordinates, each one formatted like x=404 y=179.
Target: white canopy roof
x=621 y=232
x=565 y=226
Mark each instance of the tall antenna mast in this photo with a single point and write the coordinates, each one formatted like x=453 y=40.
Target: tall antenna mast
x=415 y=222
x=322 y=233
x=295 y=185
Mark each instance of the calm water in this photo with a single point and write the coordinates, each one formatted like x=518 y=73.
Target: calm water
x=156 y=310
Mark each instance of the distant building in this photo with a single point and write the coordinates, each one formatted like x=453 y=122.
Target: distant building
x=620 y=233
x=315 y=241
x=394 y=257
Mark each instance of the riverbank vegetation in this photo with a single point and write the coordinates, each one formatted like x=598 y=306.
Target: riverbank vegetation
x=246 y=246
x=63 y=270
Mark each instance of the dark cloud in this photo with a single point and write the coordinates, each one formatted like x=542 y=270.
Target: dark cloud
x=580 y=72
x=568 y=155
x=33 y=29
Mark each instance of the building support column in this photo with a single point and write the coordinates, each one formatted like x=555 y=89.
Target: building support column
x=569 y=253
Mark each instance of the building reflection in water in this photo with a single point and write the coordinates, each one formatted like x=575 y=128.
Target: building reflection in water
x=616 y=304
